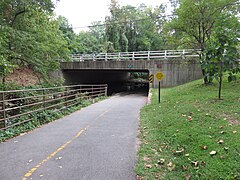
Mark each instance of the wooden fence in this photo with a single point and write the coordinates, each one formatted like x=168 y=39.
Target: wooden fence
x=20 y=106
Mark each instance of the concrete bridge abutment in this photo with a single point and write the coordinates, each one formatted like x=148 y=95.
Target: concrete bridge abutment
x=176 y=71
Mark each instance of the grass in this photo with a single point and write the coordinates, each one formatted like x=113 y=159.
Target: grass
x=178 y=135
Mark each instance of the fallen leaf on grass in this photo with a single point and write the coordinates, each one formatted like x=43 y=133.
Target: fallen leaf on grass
x=145 y=158
x=222 y=157
x=195 y=163
x=226 y=148
x=190 y=118
x=220 y=141
x=184 y=168
x=170 y=166
x=212 y=153
x=161 y=161
x=203 y=147
x=178 y=152
x=148 y=166
x=187 y=176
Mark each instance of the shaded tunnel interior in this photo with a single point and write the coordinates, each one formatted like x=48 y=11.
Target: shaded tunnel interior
x=117 y=80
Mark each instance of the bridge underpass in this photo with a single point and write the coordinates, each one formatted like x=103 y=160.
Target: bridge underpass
x=178 y=66
x=117 y=80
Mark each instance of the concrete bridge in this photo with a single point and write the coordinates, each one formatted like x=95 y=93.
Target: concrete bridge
x=179 y=67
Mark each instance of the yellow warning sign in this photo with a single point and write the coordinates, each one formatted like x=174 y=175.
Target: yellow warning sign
x=159 y=76
x=150 y=78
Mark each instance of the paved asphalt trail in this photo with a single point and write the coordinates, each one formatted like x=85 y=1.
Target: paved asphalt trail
x=95 y=143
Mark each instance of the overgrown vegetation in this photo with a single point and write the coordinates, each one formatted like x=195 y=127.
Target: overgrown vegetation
x=191 y=134
x=30 y=36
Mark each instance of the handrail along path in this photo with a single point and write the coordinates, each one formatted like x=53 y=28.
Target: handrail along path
x=20 y=106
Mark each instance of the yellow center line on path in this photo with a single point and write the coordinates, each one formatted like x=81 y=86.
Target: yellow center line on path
x=105 y=112
x=29 y=173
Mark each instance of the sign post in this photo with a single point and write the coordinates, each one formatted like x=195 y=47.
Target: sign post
x=159 y=77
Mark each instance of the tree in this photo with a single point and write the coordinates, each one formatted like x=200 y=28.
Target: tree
x=222 y=54
x=87 y=43
x=68 y=34
x=30 y=36
x=131 y=28
x=194 y=21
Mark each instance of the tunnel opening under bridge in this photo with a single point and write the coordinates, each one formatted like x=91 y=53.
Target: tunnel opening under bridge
x=117 y=80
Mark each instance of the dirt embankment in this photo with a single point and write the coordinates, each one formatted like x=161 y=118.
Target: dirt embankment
x=23 y=77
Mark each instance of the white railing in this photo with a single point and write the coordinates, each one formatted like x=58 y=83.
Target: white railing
x=140 y=55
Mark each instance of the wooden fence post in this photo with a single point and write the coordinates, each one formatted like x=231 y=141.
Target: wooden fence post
x=106 y=90
x=44 y=100
x=4 y=110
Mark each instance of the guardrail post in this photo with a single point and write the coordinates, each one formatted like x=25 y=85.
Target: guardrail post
x=133 y=56
x=148 y=55
x=106 y=57
x=183 y=54
x=80 y=58
x=165 y=55
x=119 y=55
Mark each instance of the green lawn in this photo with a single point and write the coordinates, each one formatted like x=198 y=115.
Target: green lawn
x=178 y=135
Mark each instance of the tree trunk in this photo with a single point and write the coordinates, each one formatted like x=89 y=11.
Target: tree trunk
x=204 y=72
x=205 y=77
x=220 y=81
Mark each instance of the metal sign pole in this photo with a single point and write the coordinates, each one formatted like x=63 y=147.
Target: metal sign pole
x=159 y=92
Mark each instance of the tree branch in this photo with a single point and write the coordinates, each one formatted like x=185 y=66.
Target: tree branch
x=16 y=15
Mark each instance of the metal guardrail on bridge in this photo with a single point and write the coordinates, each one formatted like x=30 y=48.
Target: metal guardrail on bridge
x=140 y=55
x=21 y=106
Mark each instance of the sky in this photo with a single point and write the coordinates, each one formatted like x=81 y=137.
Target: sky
x=81 y=13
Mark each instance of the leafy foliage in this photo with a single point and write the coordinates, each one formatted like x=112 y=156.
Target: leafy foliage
x=222 y=54
x=30 y=36
x=131 y=28
x=196 y=22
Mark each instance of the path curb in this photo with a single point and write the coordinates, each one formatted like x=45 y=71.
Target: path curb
x=149 y=99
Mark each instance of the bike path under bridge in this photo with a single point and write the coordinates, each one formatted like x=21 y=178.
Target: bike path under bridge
x=179 y=67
